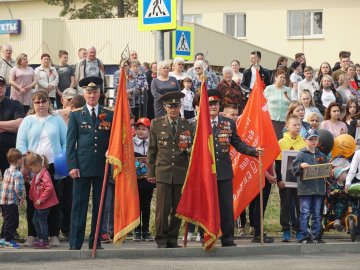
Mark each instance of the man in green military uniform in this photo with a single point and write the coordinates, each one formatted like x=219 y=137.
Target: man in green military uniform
x=168 y=160
x=87 y=142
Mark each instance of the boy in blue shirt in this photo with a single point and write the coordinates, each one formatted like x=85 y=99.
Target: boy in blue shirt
x=311 y=193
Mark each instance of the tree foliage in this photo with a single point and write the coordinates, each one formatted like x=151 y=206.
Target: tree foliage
x=94 y=9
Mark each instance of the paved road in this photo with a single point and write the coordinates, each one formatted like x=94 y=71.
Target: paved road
x=318 y=262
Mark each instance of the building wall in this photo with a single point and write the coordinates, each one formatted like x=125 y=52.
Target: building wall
x=267 y=25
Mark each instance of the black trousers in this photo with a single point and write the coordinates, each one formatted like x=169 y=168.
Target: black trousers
x=65 y=199
x=4 y=164
x=255 y=204
x=53 y=219
x=288 y=199
x=145 y=196
x=10 y=215
x=225 y=193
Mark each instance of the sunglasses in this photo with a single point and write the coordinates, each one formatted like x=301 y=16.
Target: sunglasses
x=40 y=102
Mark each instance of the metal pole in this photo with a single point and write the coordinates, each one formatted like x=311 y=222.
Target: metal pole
x=159 y=45
x=180 y=12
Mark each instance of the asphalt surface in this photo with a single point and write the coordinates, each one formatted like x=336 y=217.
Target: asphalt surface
x=265 y=262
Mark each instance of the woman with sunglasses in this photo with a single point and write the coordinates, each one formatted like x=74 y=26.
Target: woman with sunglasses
x=41 y=125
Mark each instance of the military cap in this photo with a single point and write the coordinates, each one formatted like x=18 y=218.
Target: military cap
x=214 y=95
x=171 y=98
x=91 y=83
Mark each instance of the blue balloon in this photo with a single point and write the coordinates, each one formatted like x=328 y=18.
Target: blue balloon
x=60 y=164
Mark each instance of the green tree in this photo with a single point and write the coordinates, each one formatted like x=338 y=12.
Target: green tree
x=94 y=9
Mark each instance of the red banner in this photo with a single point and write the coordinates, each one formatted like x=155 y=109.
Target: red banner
x=199 y=203
x=256 y=129
x=121 y=155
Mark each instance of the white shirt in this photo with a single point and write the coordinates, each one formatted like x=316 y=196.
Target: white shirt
x=312 y=86
x=327 y=97
x=253 y=77
x=44 y=148
x=96 y=109
x=141 y=146
x=354 y=168
x=216 y=121
x=186 y=102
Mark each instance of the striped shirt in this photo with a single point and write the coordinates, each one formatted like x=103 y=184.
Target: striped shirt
x=12 y=187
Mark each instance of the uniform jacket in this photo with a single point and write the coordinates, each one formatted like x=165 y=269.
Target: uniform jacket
x=168 y=155
x=309 y=187
x=86 y=143
x=42 y=189
x=226 y=135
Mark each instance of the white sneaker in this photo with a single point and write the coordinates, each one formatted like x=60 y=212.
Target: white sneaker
x=29 y=241
x=198 y=237
x=189 y=236
x=54 y=241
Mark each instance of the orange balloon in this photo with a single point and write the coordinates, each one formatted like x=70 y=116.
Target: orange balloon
x=344 y=145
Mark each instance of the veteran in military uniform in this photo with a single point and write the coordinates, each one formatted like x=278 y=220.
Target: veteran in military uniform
x=168 y=160
x=224 y=133
x=87 y=142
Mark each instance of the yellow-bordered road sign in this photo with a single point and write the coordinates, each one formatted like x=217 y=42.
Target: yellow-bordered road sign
x=156 y=15
x=183 y=42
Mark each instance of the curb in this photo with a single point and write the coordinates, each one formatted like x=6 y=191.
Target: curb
x=29 y=255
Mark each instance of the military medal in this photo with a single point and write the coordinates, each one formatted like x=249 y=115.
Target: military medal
x=224 y=136
x=184 y=140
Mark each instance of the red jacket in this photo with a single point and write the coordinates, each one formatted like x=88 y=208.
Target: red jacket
x=42 y=189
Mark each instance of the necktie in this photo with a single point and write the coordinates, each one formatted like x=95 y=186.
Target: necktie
x=143 y=143
x=173 y=127
x=213 y=126
x=93 y=115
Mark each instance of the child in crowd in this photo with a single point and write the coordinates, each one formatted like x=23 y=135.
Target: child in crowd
x=146 y=188
x=12 y=191
x=43 y=195
x=307 y=101
x=339 y=202
x=311 y=193
x=314 y=120
x=292 y=140
x=187 y=111
x=298 y=109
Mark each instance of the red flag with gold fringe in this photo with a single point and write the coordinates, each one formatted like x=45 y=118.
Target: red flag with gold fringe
x=121 y=155
x=199 y=203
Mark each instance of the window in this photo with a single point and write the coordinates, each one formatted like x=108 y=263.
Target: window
x=235 y=24
x=307 y=23
x=194 y=18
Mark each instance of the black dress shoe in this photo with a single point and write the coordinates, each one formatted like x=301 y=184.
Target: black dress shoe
x=228 y=244
x=173 y=245
x=74 y=248
x=267 y=239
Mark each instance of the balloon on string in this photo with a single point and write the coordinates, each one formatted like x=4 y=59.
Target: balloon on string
x=326 y=141
x=344 y=145
x=60 y=164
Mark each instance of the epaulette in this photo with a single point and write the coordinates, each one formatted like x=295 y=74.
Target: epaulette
x=78 y=109
x=159 y=118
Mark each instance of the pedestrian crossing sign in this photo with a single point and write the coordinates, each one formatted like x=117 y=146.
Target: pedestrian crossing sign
x=156 y=15
x=183 y=42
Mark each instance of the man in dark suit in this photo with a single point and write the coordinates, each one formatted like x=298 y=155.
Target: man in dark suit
x=168 y=161
x=87 y=142
x=249 y=77
x=224 y=133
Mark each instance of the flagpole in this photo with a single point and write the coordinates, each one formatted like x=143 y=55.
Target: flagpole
x=261 y=201
x=93 y=253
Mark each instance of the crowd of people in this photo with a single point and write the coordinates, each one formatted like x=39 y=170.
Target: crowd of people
x=60 y=109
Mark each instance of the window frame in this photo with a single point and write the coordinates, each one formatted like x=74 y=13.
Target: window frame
x=312 y=35
x=193 y=18
x=236 y=24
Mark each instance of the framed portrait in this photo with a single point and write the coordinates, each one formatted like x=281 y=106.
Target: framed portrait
x=288 y=157
x=319 y=171
x=141 y=167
